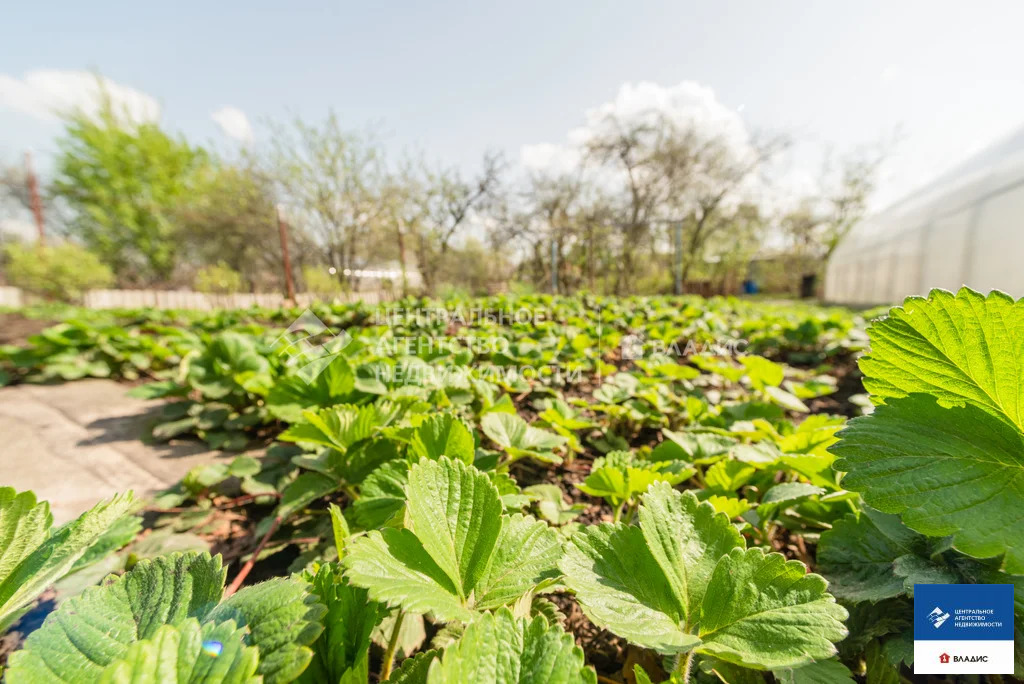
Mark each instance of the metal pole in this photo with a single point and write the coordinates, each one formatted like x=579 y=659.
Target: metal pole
x=37 y=204
x=283 y=230
x=679 y=257
x=554 y=267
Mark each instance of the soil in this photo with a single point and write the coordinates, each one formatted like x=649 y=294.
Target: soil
x=16 y=329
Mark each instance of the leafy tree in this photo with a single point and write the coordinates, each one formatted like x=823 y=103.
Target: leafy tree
x=62 y=272
x=122 y=181
x=230 y=218
x=218 y=279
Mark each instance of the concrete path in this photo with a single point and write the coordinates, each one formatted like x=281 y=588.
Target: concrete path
x=79 y=442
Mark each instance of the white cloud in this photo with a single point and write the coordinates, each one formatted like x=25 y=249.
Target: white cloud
x=234 y=123
x=690 y=106
x=46 y=93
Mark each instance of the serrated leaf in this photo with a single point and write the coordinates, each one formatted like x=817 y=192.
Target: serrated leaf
x=90 y=631
x=341 y=654
x=786 y=494
x=764 y=612
x=397 y=570
x=963 y=349
x=526 y=554
x=620 y=586
x=620 y=477
x=304 y=490
x=829 y=671
x=502 y=649
x=687 y=539
x=519 y=439
x=414 y=670
x=878 y=669
x=444 y=435
x=282 y=619
x=382 y=494
x=755 y=610
x=24 y=524
x=946 y=471
x=461 y=553
x=455 y=512
x=857 y=555
x=120 y=533
x=213 y=654
x=54 y=557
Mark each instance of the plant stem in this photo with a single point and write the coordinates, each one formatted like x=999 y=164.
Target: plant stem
x=247 y=568
x=389 y=654
x=618 y=512
x=684 y=667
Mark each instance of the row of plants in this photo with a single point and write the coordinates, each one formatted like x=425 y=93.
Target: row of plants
x=690 y=517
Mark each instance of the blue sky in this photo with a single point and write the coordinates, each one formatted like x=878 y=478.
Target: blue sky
x=455 y=78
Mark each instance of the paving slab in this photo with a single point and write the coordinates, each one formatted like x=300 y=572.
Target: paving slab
x=79 y=442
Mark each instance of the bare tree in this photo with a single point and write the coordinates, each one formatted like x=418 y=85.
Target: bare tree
x=332 y=180
x=446 y=203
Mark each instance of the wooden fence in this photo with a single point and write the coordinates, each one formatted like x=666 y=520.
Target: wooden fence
x=198 y=301
x=10 y=296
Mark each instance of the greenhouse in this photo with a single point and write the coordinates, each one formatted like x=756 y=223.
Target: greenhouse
x=962 y=229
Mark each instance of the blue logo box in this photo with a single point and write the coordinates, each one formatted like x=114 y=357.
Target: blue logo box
x=963 y=612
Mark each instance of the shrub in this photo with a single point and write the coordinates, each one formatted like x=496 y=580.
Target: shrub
x=218 y=279
x=62 y=272
x=320 y=281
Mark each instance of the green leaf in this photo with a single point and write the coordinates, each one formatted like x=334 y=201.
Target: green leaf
x=339 y=427
x=503 y=649
x=282 y=619
x=686 y=539
x=213 y=654
x=829 y=671
x=786 y=494
x=946 y=471
x=382 y=494
x=763 y=612
x=54 y=557
x=444 y=435
x=120 y=533
x=414 y=670
x=304 y=490
x=520 y=439
x=646 y=584
x=856 y=556
x=90 y=631
x=24 y=524
x=878 y=668
x=455 y=512
x=293 y=394
x=461 y=553
x=397 y=570
x=620 y=586
x=526 y=555
x=342 y=652
x=620 y=476
x=963 y=349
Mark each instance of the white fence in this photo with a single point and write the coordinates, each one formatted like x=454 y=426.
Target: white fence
x=187 y=299
x=10 y=296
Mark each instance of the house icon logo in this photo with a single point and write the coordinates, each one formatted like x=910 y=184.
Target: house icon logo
x=944 y=658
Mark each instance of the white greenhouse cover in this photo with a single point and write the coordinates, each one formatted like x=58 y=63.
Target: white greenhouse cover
x=965 y=228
